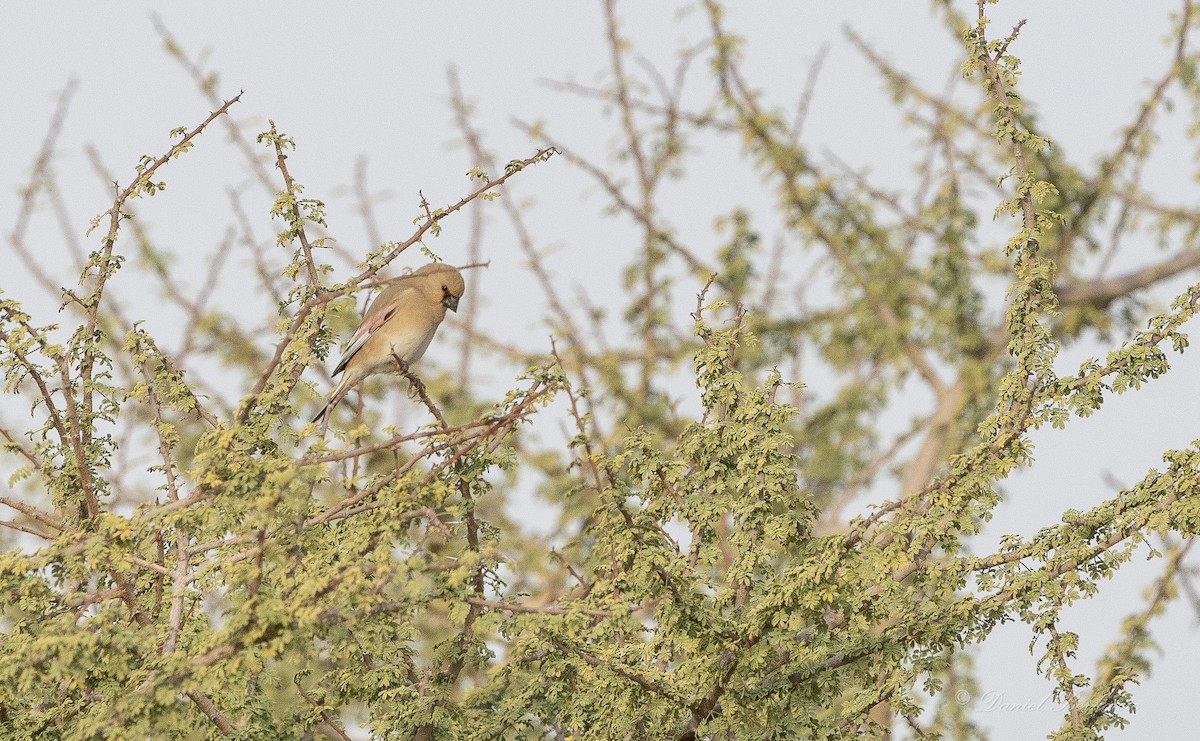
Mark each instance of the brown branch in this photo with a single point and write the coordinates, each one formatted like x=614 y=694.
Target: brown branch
x=643 y=216
x=542 y=610
x=831 y=514
x=699 y=120
x=1060 y=658
x=297 y=221
x=66 y=437
x=143 y=178
x=789 y=168
x=81 y=430
x=46 y=518
x=12 y=525
x=1102 y=291
x=650 y=685
x=392 y=442
x=40 y=180
x=475 y=609
x=932 y=452
x=267 y=277
x=1101 y=185
x=462 y=116
x=498 y=426
x=810 y=89
x=365 y=206
x=206 y=84
x=209 y=708
x=418 y=388
x=335 y=728
x=524 y=240
x=709 y=704
x=1118 y=655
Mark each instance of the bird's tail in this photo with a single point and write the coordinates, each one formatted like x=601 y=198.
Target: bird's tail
x=339 y=392
x=323 y=415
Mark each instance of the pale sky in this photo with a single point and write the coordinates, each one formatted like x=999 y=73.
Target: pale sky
x=368 y=80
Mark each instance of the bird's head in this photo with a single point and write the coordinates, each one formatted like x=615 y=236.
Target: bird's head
x=444 y=280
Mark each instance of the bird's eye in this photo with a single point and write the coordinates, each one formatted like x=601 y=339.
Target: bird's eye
x=445 y=289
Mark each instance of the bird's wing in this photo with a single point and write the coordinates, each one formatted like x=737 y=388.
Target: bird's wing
x=381 y=310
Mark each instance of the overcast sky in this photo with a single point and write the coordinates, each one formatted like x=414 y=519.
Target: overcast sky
x=368 y=80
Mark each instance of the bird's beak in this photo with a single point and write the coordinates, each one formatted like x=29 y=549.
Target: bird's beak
x=450 y=302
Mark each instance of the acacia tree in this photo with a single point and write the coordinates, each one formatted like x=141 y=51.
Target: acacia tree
x=704 y=578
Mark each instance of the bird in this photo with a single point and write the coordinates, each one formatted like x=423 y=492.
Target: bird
x=399 y=323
